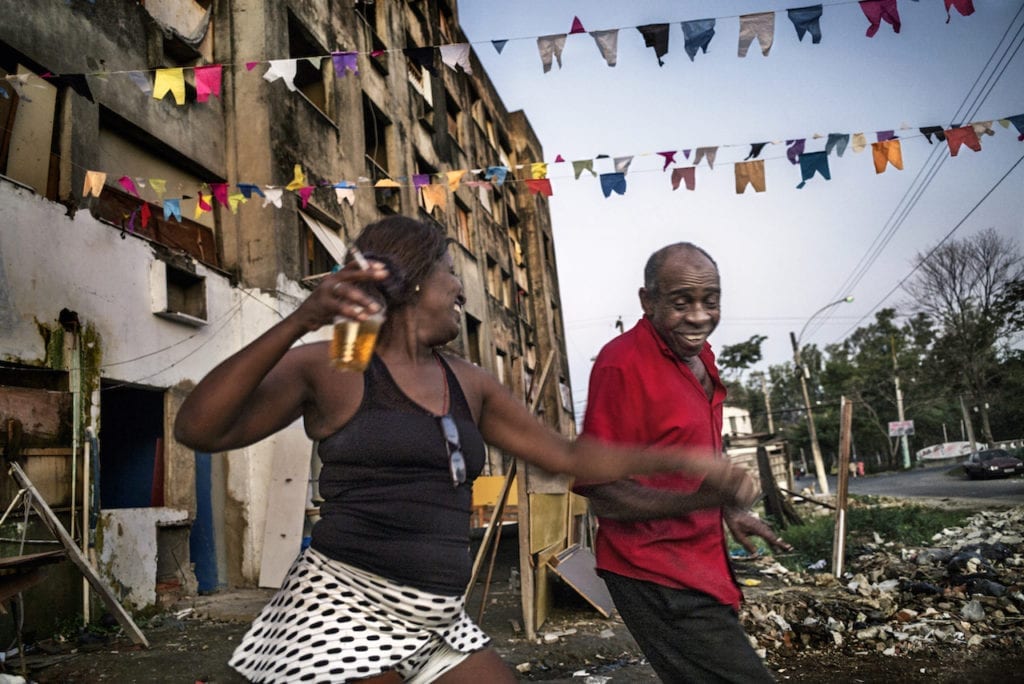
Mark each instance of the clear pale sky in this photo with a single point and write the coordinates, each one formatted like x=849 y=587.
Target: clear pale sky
x=783 y=253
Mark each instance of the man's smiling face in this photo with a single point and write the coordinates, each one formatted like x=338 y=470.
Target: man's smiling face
x=684 y=304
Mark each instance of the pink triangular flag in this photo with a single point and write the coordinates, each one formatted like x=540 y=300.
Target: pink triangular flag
x=128 y=184
x=577 y=26
x=220 y=192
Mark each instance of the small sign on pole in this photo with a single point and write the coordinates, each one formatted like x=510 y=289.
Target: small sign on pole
x=899 y=428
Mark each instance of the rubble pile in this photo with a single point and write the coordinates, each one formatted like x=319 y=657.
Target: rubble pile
x=965 y=589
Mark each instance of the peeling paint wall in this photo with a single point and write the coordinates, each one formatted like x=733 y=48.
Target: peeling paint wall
x=127 y=549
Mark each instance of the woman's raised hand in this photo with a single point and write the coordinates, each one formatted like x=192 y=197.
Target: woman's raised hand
x=341 y=294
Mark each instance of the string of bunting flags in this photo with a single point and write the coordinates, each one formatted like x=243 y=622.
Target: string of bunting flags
x=886 y=150
x=697 y=37
x=698 y=34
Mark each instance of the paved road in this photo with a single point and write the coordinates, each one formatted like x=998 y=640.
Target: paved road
x=933 y=482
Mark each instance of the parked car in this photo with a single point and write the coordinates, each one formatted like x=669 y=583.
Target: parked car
x=993 y=463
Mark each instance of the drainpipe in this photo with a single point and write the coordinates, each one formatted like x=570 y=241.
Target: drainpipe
x=73 y=356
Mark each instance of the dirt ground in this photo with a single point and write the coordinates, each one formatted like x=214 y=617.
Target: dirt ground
x=193 y=642
x=581 y=646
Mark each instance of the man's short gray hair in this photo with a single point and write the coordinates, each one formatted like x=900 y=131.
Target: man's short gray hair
x=657 y=260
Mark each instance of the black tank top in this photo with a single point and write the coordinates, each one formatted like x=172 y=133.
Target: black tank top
x=389 y=503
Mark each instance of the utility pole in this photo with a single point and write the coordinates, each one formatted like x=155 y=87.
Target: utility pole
x=967 y=422
x=899 y=403
x=819 y=464
x=767 y=405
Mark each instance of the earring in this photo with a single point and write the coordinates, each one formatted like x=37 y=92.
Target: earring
x=417 y=289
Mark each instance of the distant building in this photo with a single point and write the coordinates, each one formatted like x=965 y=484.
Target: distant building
x=741 y=444
x=108 y=319
x=735 y=421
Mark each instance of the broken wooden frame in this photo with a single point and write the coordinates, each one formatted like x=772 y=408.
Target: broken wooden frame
x=74 y=553
x=490 y=534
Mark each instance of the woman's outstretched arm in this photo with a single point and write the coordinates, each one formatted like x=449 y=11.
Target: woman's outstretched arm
x=507 y=424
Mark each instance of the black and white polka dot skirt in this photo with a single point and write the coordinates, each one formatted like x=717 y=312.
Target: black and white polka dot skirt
x=332 y=622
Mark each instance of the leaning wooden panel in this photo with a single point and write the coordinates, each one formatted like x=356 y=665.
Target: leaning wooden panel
x=547 y=520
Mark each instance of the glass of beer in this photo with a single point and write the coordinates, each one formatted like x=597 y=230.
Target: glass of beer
x=354 y=341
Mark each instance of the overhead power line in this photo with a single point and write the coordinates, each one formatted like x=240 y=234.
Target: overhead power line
x=1004 y=53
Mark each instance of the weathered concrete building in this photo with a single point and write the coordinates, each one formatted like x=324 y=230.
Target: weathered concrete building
x=108 y=316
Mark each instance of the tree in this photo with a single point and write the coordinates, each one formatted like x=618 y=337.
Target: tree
x=862 y=368
x=741 y=356
x=971 y=289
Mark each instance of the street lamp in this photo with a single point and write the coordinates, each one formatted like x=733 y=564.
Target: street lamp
x=819 y=464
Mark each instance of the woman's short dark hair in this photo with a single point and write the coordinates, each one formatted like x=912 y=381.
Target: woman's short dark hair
x=409 y=248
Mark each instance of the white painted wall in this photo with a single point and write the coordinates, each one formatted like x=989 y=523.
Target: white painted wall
x=49 y=261
x=127 y=555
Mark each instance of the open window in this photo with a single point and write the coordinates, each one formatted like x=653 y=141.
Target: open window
x=367 y=11
x=144 y=159
x=323 y=246
x=376 y=135
x=453 y=113
x=422 y=167
x=27 y=130
x=463 y=225
x=309 y=80
x=178 y=294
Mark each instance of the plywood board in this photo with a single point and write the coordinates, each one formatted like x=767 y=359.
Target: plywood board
x=576 y=566
x=286 y=513
x=547 y=520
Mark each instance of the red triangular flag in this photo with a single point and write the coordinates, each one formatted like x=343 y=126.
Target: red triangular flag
x=577 y=26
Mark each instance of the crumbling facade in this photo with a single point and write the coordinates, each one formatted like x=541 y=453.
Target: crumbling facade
x=109 y=315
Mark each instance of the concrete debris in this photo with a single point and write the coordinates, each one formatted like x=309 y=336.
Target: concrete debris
x=965 y=589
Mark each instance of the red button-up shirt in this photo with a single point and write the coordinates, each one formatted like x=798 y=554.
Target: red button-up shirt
x=641 y=393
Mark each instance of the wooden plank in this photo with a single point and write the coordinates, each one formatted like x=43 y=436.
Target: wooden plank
x=527 y=589
x=55 y=451
x=845 y=440
x=97 y=583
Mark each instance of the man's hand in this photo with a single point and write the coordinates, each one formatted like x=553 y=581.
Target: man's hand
x=743 y=525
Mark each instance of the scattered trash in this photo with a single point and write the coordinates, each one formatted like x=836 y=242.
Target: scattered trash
x=961 y=590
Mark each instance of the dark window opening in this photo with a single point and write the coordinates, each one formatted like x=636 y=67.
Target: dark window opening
x=367 y=11
x=131 y=454
x=423 y=167
x=309 y=80
x=186 y=293
x=473 y=339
